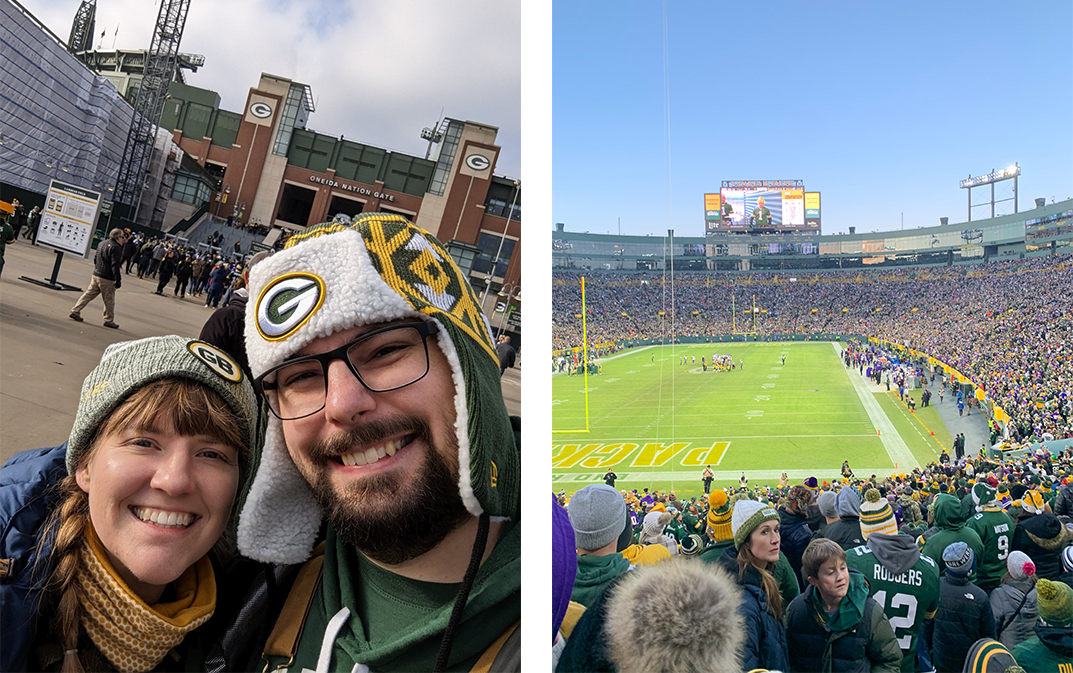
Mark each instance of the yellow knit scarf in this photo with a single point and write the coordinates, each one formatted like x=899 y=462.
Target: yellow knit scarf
x=134 y=636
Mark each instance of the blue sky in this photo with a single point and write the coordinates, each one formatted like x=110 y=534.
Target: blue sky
x=881 y=107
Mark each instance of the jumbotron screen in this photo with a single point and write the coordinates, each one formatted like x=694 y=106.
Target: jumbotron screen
x=760 y=206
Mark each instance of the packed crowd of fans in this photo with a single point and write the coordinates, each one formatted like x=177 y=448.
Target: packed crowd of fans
x=956 y=566
x=1007 y=326
x=197 y=271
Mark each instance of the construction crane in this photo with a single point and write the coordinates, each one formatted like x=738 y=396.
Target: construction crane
x=82 y=27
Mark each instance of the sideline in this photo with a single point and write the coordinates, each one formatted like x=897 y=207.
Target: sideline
x=730 y=475
x=894 y=444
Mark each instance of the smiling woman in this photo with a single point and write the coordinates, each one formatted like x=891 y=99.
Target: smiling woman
x=108 y=566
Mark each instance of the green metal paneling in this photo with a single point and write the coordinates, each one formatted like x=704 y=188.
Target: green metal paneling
x=407 y=174
x=359 y=163
x=225 y=128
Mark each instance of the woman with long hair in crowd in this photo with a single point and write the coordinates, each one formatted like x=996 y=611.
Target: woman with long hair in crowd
x=106 y=538
x=751 y=561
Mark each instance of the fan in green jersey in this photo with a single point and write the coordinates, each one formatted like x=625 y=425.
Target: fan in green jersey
x=995 y=529
x=899 y=578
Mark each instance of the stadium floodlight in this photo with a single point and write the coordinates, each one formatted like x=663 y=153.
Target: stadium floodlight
x=994 y=176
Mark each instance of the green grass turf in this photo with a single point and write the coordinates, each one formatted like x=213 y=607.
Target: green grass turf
x=657 y=422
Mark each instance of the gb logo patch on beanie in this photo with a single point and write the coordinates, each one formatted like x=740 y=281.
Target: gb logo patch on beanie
x=217 y=360
x=287 y=303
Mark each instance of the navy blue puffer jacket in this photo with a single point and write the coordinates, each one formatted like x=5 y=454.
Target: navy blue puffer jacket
x=765 y=636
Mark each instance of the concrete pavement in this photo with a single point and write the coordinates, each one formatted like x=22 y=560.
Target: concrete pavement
x=44 y=355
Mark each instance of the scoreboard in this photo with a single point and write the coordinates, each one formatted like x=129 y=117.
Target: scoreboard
x=762 y=206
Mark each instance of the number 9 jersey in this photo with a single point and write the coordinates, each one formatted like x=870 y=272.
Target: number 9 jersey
x=995 y=529
x=907 y=598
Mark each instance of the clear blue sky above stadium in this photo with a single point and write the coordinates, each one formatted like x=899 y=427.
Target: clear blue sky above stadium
x=881 y=107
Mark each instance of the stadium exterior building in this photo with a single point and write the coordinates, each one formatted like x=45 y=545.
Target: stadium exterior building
x=260 y=165
x=1044 y=230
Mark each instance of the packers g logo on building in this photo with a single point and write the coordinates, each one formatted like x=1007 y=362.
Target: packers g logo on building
x=217 y=360
x=287 y=303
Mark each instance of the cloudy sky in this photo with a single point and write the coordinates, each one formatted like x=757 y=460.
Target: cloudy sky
x=379 y=71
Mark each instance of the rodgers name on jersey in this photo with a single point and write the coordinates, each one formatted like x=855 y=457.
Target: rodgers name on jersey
x=907 y=599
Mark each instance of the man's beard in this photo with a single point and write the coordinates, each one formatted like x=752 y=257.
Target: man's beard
x=391 y=518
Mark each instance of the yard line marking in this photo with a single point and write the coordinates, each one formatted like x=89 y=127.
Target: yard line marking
x=894 y=444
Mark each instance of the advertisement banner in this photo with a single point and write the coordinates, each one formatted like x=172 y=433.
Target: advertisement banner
x=68 y=219
x=812 y=210
x=713 y=205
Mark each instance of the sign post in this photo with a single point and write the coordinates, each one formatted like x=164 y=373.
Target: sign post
x=67 y=224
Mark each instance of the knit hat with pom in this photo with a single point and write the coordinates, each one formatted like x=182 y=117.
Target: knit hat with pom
x=877 y=515
x=719 y=516
x=1055 y=602
x=1020 y=566
x=1033 y=502
x=982 y=496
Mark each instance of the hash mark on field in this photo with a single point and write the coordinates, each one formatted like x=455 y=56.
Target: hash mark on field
x=768 y=385
x=773 y=376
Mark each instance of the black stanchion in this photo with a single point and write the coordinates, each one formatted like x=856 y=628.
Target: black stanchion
x=52 y=283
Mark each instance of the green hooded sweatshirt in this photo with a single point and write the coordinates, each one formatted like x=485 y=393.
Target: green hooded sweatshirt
x=396 y=624
x=951 y=523
x=594 y=573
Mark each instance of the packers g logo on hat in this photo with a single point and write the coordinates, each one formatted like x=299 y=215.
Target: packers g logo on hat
x=287 y=303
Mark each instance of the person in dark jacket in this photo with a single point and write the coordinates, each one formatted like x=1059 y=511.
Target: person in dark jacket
x=130 y=251
x=834 y=625
x=751 y=561
x=217 y=285
x=225 y=328
x=107 y=278
x=847 y=530
x=106 y=538
x=794 y=529
x=826 y=503
x=1051 y=649
x=167 y=268
x=1041 y=535
x=964 y=614
x=1063 y=501
x=506 y=353
x=182 y=276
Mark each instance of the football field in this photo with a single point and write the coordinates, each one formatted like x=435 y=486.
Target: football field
x=657 y=422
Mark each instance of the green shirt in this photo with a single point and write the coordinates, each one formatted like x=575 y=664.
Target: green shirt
x=996 y=531
x=762 y=216
x=395 y=623
x=907 y=600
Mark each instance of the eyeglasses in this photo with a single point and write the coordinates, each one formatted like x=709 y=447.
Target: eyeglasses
x=382 y=360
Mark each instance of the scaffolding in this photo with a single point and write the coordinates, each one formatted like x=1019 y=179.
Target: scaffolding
x=160 y=65
x=82 y=27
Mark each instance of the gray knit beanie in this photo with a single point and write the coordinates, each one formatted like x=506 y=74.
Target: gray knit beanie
x=826 y=503
x=377 y=269
x=128 y=366
x=598 y=516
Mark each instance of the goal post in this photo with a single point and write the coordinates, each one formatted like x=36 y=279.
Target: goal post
x=584 y=362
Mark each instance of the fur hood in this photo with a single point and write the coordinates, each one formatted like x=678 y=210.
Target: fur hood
x=679 y=599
